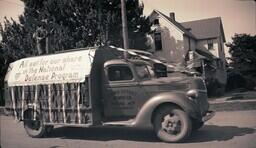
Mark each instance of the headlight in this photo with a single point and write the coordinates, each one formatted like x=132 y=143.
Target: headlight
x=192 y=94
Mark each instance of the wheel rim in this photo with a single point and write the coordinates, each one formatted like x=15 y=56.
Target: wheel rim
x=171 y=124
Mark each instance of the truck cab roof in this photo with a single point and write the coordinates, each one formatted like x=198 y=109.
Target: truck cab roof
x=125 y=62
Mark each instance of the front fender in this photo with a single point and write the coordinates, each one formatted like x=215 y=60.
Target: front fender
x=143 y=118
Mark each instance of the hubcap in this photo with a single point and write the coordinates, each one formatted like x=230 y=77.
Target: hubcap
x=171 y=124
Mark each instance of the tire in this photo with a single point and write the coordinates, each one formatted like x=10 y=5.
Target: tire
x=172 y=124
x=49 y=129
x=197 y=125
x=36 y=129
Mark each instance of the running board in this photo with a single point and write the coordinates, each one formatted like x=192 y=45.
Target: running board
x=128 y=123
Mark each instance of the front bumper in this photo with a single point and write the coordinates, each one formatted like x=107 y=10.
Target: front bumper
x=208 y=116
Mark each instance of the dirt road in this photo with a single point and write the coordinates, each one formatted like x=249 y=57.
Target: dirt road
x=226 y=129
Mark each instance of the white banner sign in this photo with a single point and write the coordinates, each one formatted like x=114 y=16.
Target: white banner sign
x=69 y=67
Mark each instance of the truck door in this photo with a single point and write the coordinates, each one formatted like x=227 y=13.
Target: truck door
x=121 y=92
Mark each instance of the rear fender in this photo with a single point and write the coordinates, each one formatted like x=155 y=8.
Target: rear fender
x=144 y=117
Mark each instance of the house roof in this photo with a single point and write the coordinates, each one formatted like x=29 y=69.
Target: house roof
x=182 y=28
x=205 y=54
x=206 y=28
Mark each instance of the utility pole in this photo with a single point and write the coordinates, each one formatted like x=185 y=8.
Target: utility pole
x=101 y=37
x=124 y=27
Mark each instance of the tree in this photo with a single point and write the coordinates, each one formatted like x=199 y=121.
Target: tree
x=75 y=24
x=243 y=56
x=9 y=49
x=2 y=73
x=68 y=23
x=138 y=25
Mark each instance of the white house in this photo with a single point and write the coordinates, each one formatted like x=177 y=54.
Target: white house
x=209 y=35
x=200 y=41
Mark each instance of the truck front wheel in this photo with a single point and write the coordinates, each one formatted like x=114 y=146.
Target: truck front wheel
x=36 y=128
x=196 y=125
x=172 y=124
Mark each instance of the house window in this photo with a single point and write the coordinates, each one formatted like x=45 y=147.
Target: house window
x=210 y=45
x=156 y=22
x=158 y=41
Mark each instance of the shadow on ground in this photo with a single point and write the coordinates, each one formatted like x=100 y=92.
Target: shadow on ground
x=206 y=134
x=218 y=133
x=104 y=134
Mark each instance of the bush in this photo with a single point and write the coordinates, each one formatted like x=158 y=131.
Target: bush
x=237 y=80
x=214 y=88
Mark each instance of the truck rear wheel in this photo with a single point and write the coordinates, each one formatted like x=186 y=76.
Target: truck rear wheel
x=36 y=128
x=172 y=124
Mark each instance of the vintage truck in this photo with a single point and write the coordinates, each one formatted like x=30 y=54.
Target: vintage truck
x=98 y=87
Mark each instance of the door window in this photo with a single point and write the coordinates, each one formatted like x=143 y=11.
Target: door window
x=142 y=71
x=119 y=73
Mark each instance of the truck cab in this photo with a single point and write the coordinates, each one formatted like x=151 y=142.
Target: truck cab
x=132 y=92
x=115 y=92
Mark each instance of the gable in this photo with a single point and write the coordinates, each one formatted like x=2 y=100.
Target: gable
x=178 y=26
x=206 y=28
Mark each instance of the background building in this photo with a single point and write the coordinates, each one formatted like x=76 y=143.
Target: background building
x=196 y=44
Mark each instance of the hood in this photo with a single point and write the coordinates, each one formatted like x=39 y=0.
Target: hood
x=175 y=82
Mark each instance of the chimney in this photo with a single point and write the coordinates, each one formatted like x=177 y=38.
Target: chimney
x=172 y=16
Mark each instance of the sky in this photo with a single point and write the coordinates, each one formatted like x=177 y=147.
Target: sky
x=10 y=8
x=238 y=16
